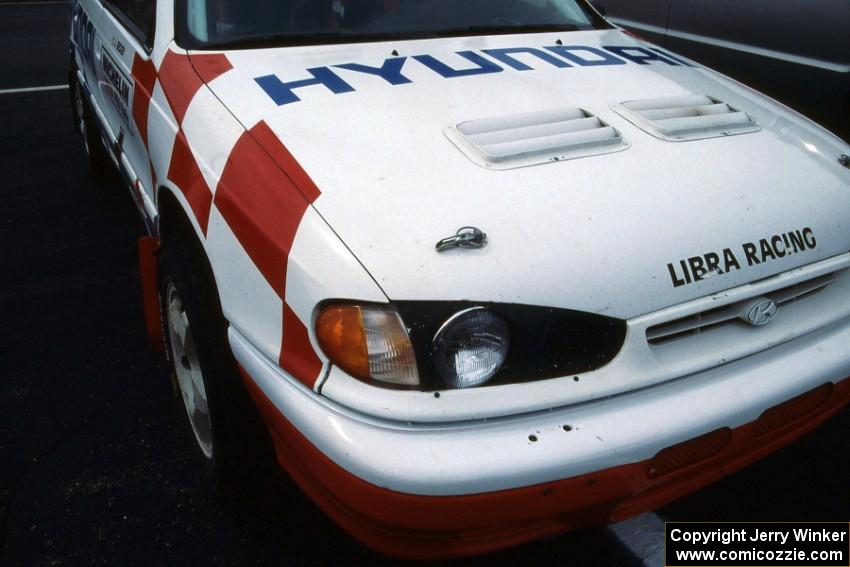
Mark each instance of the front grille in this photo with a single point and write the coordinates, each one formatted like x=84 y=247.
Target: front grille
x=734 y=313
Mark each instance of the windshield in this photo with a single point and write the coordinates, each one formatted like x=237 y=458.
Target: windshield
x=246 y=23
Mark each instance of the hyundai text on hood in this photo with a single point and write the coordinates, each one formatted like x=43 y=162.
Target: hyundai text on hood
x=487 y=271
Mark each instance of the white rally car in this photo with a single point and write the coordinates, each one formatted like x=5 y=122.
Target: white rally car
x=489 y=270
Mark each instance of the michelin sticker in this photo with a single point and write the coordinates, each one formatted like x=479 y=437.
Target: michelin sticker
x=115 y=87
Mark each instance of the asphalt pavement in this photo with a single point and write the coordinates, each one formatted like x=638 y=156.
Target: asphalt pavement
x=95 y=464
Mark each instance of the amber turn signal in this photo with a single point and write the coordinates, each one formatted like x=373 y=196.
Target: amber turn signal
x=368 y=342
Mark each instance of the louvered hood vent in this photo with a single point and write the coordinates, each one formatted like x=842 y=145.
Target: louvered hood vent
x=520 y=140
x=692 y=117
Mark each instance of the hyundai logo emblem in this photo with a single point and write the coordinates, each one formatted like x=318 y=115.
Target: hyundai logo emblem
x=762 y=312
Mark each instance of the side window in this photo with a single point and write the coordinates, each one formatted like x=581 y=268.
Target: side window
x=137 y=15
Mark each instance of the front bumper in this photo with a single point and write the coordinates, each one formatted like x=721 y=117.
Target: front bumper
x=434 y=491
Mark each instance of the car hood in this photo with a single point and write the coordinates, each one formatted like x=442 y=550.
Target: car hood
x=621 y=233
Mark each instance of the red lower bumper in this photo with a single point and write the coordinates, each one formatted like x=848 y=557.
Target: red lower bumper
x=436 y=527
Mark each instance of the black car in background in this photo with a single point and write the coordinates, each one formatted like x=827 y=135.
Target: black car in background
x=797 y=51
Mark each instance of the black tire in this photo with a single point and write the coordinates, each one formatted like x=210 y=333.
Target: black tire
x=236 y=451
x=85 y=124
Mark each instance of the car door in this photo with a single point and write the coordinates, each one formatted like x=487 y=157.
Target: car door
x=795 y=50
x=126 y=31
x=647 y=18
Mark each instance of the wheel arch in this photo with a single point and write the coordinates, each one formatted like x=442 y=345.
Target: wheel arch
x=239 y=433
x=174 y=222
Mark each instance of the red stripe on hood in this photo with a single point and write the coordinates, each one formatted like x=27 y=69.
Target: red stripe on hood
x=210 y=66
x=181 y=78
x=269 y=140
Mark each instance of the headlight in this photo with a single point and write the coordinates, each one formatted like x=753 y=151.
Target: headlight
x=368 y=342
x=471 y=347
x=441 y=345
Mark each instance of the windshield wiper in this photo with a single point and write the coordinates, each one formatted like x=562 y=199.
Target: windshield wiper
x=293 y=40
x=269 y=40
x=346 y=36
x=504 y=29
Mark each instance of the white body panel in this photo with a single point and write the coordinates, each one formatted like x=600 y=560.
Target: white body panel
x=592 y=234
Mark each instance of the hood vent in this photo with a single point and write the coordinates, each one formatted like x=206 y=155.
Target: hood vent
x=521 y=140
x=685 y=118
